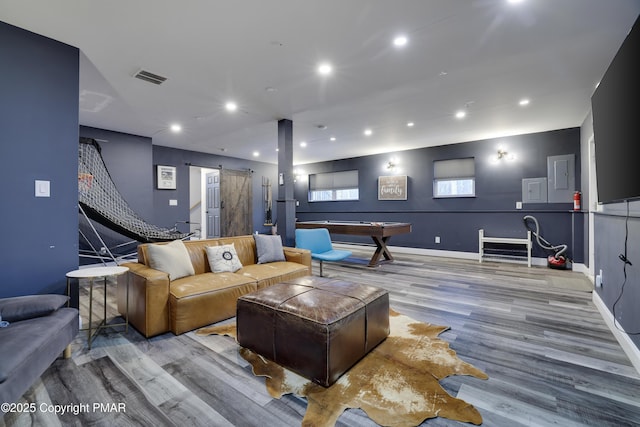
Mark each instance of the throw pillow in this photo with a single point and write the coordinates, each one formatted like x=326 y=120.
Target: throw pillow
x=223 y=258
x=172 y=258
x=269 y=248
x=25 y=307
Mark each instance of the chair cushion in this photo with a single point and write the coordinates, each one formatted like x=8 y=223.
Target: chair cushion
x=332 y=255
x=273 y=272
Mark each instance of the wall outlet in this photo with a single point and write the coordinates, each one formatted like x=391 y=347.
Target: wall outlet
x=518 y=205
x=173 y=202
x=599 y=279
x=437 y=239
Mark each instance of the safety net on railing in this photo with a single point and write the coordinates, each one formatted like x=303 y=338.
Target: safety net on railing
x=102 y=202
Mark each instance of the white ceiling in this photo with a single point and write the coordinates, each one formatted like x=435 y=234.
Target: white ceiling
x=479 y=55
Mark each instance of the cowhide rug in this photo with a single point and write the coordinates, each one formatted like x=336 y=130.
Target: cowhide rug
x=396 y=384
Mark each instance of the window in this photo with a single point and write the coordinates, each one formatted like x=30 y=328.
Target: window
x=333 y=186
x=454 y=178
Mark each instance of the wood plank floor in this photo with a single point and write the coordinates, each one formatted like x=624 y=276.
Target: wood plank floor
x=550 y=358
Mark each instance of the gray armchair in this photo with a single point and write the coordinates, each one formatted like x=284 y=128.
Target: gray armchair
x=35 y=330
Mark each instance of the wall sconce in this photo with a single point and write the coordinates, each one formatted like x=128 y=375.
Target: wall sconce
x=503 y=154
x=297 y=174
x=391 y=165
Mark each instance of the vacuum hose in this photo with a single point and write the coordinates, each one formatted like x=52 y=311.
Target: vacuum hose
x=558 y=249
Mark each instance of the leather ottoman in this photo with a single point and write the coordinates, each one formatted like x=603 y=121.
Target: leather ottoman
x=317 y=327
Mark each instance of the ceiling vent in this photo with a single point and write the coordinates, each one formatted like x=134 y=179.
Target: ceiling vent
x=149 y=77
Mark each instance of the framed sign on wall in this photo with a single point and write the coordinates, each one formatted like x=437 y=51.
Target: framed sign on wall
x=392 y=187
x=166 y=177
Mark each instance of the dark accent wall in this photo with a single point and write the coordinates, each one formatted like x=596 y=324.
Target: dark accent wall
x=128 y=159
x=611 y=236
x=131 y=161
x=616 y=232
x=457 y=220
x=166 y=216
x=38 y=141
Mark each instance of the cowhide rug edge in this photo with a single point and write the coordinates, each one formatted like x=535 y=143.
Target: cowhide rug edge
x=405 y=393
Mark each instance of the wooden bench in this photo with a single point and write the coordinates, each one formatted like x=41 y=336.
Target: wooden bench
x=482 y=239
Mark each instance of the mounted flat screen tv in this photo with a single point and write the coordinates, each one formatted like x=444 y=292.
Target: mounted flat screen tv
x=616 y=124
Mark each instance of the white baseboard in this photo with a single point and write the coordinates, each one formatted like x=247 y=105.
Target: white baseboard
x=433 y=252
x=629 y=347
x=439 y=253
x=581 y=268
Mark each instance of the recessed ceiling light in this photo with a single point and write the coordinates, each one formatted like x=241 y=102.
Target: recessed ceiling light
x=303 y=144
x=461 y=114
x=400 y=41
x=175 y=128
x=368 y=132
x=410 y=124
x=333 y=138
x=523 y=102
x=231 y=106
x=256 y=153
x=325 y=69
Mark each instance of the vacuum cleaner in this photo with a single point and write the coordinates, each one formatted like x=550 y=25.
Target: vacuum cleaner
x=557 y=260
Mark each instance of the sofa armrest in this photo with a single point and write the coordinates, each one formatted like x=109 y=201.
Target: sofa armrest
x=148 y=298
x=301 y=256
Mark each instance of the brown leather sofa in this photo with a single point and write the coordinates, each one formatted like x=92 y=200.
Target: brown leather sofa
x=158 y=305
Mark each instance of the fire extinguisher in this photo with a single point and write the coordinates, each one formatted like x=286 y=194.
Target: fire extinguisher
x=576 y=201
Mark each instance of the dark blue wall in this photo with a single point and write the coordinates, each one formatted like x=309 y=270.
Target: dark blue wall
x=456 y=221
x=166 y=215
x=612 y=232
x=128 y=159
x=131 y=161
x=38 y=141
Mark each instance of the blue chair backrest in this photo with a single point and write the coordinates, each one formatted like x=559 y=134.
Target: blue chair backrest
x=317 y=240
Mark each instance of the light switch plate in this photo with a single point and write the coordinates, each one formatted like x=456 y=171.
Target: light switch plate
x=43 y=188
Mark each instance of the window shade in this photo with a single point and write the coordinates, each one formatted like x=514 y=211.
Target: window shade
x=454 y=168
x=333 y=180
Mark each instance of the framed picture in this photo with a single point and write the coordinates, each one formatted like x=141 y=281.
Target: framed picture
x=392 y=187
x=166 y=177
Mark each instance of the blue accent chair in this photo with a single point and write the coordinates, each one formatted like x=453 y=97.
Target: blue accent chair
x=318 y=241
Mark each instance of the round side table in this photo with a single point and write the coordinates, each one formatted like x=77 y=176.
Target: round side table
x=93 y=273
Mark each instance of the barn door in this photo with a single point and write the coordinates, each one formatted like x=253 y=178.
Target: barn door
x=235 y=203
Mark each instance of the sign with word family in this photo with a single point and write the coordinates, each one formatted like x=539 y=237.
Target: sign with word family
x=392 y=187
